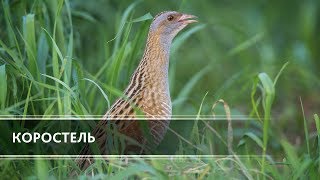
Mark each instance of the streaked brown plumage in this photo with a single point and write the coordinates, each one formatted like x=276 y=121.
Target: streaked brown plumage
x=148 y=91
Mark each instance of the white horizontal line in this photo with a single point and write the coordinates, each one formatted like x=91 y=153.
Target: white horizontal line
x=57 y=115
x=88 y=119
x=122 y=156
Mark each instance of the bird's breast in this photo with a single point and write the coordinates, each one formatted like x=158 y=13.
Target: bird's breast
x=157 y=103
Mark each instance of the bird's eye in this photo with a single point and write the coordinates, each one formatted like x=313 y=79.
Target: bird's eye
x=170 y=18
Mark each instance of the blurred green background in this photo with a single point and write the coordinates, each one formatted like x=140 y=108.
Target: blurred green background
x=222 y=55
x=235 y=39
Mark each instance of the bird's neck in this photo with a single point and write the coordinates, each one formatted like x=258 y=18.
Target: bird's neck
x=157 y=52
x=152 y=72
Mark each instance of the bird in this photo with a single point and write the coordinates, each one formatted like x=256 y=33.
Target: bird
x=147 y=93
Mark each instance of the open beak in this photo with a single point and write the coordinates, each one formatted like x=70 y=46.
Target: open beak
x=187 y=18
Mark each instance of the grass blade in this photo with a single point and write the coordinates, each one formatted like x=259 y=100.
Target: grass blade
x=186 y=90
x=60 y=82
x=246 y=44
x=305 y=126
x=252 y=136
x=3 y=86
x=30 y=42
x=317 y=120
x=184 y=36
x=101 y=90
x=142 y=18
x=42 y=169
x=268 y=97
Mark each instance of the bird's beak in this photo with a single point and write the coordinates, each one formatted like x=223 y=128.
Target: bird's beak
x=187 y=19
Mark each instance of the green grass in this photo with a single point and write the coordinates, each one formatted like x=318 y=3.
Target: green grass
x=254 y=73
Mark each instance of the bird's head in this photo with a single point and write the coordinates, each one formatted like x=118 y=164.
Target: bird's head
x=167 y=24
